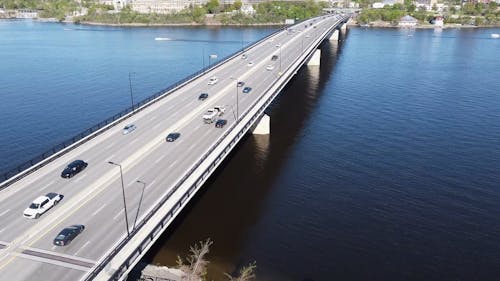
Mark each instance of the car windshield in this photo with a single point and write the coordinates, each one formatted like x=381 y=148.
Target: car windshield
x=34 y=206
x=60 y=237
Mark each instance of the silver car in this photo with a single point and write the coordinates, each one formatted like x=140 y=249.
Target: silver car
x=129 y=129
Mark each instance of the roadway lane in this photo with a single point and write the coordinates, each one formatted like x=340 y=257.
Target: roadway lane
x=93 y=197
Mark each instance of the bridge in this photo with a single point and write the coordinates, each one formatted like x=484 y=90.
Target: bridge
x=137 y=183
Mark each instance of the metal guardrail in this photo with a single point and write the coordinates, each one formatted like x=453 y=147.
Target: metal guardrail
x=36 y=163
x=184 y=198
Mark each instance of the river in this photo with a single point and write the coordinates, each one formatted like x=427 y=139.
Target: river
x=382 y=164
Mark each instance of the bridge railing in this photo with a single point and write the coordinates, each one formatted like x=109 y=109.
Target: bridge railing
x=58 y=150
x=129 y=261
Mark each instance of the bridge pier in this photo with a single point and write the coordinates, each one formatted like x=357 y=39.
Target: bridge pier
x=263 y=126
x=335 y=35
x=343 y=28
x=315 y=59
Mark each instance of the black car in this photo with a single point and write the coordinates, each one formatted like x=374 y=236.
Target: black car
x=73 y=168
x=247 y=90
x=203 y=96
x=220 y=123
x=68 y=234
x=240 y=84
x=274 y=57
x=173 y=136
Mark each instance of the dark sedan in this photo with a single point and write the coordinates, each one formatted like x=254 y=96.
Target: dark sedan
x=240 y=84
x=173 y=136
x=220 y=123
x=247 y=90
x=73 y=168
x=203 y=96
x=68 y=234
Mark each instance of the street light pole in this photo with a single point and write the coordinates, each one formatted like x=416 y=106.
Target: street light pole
x=237 y=100
x=123 y=192
x=140 y=200
x=131 y=95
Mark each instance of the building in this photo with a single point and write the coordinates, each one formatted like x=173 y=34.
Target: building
x=26 y=14
x=163 y=6
x=408 y=21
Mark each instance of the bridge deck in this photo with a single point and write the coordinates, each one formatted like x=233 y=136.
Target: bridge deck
x=94 y=197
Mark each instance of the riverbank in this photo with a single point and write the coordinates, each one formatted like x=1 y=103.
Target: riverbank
x=384 y=24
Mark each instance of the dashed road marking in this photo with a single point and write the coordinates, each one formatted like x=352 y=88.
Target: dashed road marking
x=4 y=212
x=117 y=215
x=98 y=210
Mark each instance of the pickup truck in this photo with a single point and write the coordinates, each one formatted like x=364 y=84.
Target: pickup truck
x=212 y=113
x=41 y=205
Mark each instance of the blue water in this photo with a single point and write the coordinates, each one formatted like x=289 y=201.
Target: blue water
x=382 y=164
x=57 y=80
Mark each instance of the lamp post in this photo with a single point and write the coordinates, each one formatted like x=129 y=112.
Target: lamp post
x=130 y=85
x=123 y=192
x=212 y=56
x=280 y=60
x=140 y=200
x=237 y=100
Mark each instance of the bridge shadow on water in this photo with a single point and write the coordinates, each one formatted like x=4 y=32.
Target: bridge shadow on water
x=231 y=203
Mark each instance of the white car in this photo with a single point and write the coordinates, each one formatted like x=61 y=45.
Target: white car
x=278 y=45
x=128 y=129
x=250 y=63
x=213 y=80
x=270 y=67
x=244 y=56
x=41 y=205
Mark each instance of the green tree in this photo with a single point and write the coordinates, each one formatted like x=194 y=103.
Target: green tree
x=213 y=6
x=237 y=5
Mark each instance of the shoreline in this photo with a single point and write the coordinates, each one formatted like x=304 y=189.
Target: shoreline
x=218 y=24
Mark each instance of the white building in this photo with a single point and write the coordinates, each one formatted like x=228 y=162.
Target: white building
x=163 y=6
x=407 y=21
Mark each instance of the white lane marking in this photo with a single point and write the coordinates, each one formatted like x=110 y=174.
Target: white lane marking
x=109 y=146
x=192 y=146
x=54 y=247
x=175 y=162
x=84 y=245
x=81 y=177
x=197 y=127
x=98 y=210
x=156 y=126
x=152 y=183
x=4 y=212
x=1 y=230
x=153 y=118
x=45 y=186
x=117 y=215
x=159 y=159
x=136 y=139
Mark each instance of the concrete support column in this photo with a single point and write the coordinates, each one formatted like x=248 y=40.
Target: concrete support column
x=335 y=35
x=263 y=126
x=343 y=27
x=315 y=58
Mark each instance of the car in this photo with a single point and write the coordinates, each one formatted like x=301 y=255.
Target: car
x=213 y=113
x=274 y=57
x=247 y=90
x=250 y=63
x=172 y=137
x=244 y=56
x=203 y=96
x=220 y=123
x=308 y=36
x=278 y=45
x=41 y=205
x=240 y=84
x=270 y=67
x=128 y=129
x=68 y=234
x=73 y=168
x=213 y=80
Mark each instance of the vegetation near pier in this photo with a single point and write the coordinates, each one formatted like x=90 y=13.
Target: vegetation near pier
x=194 y=266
